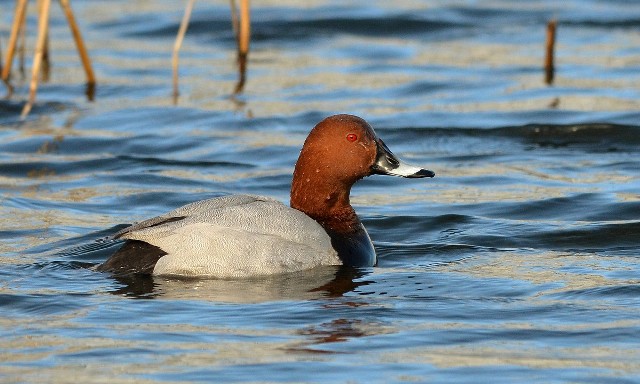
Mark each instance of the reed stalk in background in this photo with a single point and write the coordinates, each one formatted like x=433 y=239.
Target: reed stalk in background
x=241 y=24
x=41 y=55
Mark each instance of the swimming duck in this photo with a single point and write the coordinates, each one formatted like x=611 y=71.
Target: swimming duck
x=239 y=236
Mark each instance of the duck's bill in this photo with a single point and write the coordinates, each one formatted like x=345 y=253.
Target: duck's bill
x=388 y=164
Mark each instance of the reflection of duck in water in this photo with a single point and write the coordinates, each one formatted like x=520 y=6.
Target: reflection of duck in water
x=324 y=281
x=244 y=236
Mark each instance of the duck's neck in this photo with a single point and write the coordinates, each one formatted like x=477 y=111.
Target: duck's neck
x=328 y=204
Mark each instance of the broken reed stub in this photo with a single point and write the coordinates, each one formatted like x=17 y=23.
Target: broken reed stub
x=549 y=67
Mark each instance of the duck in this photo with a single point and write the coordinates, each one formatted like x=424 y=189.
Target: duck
x=241 y=236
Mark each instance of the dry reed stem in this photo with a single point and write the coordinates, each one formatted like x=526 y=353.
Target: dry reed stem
x=43 y=27
x=245 y=28
x=244 y=37
x=77 y=37
x=18 y=20
x=184 y=24
x=45 y=52
x=549 y=68
x=23 y=44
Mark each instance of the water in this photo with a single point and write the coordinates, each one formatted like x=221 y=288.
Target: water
x=517 y=263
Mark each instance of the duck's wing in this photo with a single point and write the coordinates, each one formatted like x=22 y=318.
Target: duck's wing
x=178 y=215
x=243 y=213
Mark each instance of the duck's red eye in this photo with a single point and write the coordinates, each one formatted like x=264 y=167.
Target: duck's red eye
x=352 y=137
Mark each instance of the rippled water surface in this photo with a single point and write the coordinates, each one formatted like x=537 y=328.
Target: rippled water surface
x=519 y=262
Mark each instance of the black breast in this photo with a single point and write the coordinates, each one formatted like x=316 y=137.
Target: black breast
x=354 y=249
